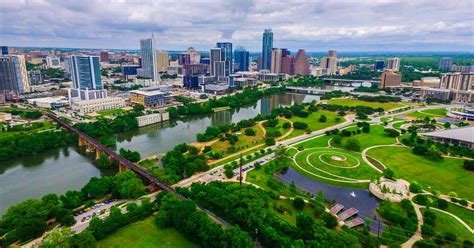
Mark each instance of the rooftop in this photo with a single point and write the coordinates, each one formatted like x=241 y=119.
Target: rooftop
x=462 y=133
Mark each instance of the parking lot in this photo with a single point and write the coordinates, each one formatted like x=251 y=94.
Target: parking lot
x=101 y=210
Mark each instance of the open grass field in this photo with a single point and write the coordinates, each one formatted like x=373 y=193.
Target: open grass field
x=432 y=113
x=355 y=102
x=146 y=234
x=111 y=112
x=376 y=136
x=445 y=223
x=45 y=126
x=320 y=141
x=313 y=121
x=244 y=142
x=445 y=175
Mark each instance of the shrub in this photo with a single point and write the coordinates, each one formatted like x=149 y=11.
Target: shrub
x=469 y=165
x=298 y=203
x=330 y=221
x=337 y=139
x=322 y=118
x=346 y=133
x=249 y=132
x=388 y=173
x=391 y=132
x=366 y=129
x=415 y=187
x=286 y=125
x=270 y=141
x=463 y=202
x=271 y=123
x=442 y=204
x=429 y=218
x=352 y=145
x=467 y=244
x=427 y=230
x=450 y=237
x=299 y=125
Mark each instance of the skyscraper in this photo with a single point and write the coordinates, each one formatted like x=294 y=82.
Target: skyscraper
x=379 y=65
x=162 y=61
x=390 y=79
x=275 y=65
x=86 y=83
x=215 y=56
x=3 y=50
x=194 y=56
x=184 y=59
x=329 y=63
x=104 y=56
x=241 y=59
x=445 y=64
x=267 y=45
x=149 y=68
x=13 y=74
x=302 y=63
x=227 y=56
x=393 y=64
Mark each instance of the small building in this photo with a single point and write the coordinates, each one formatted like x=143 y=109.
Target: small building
x=466 y=114
x=427 y=82
x=150 y=97
x=152 y=118
x=97 y=105
x=458 y=136
x=4 y=117
x=49 y=102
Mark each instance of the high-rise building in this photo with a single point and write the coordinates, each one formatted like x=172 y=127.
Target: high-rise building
x=86 y=82
x=3 y=50
x=194 y=56
x=215 y=56
x=379 y=65
x=390 y=79
x=288 y=64
x=149 y=68
x=445 y=64
x=227 y=56
x=267 y=45
x=393 y=64
x=104 y=56
x=162 y=61
x=241 y=59
x=184 y=59
x=35 y=77
x=53 y=62
x=329 y=63
x=301 y=63
x=13 y=75
x=275 y=65
x=457 y=81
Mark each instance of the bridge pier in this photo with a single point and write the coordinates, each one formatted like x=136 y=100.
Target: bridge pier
x=82 y=142
x=97 y=154
x=122 y=168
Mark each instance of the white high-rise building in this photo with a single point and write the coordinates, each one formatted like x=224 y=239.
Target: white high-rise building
x=393 y=64
x=162 y=61
x=195 y=57
x=53 y=62
x=149 y=62
x=275 y=65
x=329 y=63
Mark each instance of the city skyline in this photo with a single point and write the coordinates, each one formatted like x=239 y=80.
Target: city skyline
x=313 y=26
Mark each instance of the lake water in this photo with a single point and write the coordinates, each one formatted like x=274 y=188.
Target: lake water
x=68 y=168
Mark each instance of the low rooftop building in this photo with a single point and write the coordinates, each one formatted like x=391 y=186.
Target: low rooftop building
x=458 y=136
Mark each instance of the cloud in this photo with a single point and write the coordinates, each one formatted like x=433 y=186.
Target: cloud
x=313 y=25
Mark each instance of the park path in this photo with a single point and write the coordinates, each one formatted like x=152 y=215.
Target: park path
x=417 y=236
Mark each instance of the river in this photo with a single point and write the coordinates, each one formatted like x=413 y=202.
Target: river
x=69 y=168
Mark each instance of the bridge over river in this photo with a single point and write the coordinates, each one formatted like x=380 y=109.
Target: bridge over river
x=124 y=164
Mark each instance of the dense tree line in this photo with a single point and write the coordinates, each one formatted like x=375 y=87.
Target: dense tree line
x=197 y=226
x=381 y=99
x=360 y=74
x=358 y=109
x=181 y=162
x=247 y=207
x=23 y=113
x=433 y=149
x=29 y=219
x=22 y=145
x=305 y=81
x=334 y=94
x=103 y=126
x=248 y=96
x=403 y=221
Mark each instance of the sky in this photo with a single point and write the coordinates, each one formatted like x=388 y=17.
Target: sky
x=349 y=25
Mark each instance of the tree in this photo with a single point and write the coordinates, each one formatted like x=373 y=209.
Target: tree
x=84 y=239
x=388 y=173
x=132 y=156
x=322 y=118
x=229 y=173
x=58 y=237
x=138 y=107
x=469 y=165
x=270 y=141
x=391 y=132
x=366 y=129
x=132 y=188
x=352 y=145
x=298 y=203
x=305 y=225
x=415 y=187
x=103 y=162
x=447 y=125
x=300 y=125
x=65 y=217
x=249 y=132
x=286 y=125
x=330 y=220
x=337 y=139
x=442 y=203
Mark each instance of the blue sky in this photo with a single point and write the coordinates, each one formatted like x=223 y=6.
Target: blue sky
x=350 y=25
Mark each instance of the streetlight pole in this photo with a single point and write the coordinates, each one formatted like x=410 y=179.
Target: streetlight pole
x=240 y=172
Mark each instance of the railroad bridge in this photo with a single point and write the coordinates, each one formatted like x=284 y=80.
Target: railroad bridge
x=124 y=164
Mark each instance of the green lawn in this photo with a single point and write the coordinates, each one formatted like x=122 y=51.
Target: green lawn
x=278 y=128
x=45 y=126
x=111 y=112
x=355 y=102
x=313 y=121
x=432 y=113
x=263 y=177
x=321 y=141
x=376 y=136
x=146 y=234
x=445 y=223
x=243 y=143
x=445 y=175
x=290 y=212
